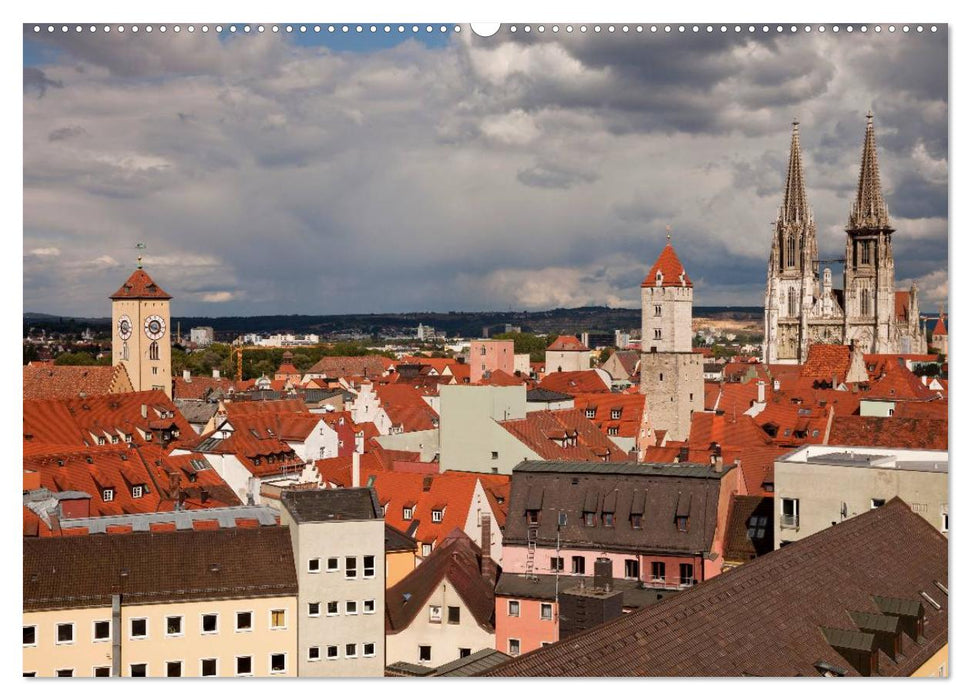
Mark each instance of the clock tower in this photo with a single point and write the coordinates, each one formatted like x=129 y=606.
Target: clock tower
x=140 y=335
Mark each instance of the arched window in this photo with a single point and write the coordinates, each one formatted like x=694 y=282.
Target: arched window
x=792 y=302
x=153 y=351
x=124 y=351
x=865 y=302
x=791 y=251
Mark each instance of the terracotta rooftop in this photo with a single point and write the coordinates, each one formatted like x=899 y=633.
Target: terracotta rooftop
x=70 y=382
x=870 y=431
x=366 y=365
x=586 y=381
x=750 y=528
x=780 y=614
x=939 y=328
x=670 y=269
x=140 y=286
x=620 y=415
x=564 y=434
x=405 y=407
x=567 y=343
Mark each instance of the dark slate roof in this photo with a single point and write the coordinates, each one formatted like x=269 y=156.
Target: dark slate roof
x=473 y=664
x=315 y=395
x=397 y=541
x=323 y=505
x=155 y=567
x=538 y=395
x=750 y=530
x=405 y=669
x=196 y=411
x=544 y=587
x=659 y=493
x=457 y=559
x=772 y=616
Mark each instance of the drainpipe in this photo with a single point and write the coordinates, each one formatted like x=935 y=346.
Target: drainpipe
x=116 y=635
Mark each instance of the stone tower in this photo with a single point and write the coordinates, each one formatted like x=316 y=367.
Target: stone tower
x=140 y=322
x=793 y=275
x=672 y=376
x=869 y=291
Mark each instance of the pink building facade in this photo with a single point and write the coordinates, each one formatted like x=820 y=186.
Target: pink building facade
x=487 y=356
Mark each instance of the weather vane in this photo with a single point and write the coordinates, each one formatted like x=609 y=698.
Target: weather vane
x=668 y=229
x=139 y=246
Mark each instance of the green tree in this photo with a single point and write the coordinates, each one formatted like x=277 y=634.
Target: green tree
x=76 y=358
x=30 y=353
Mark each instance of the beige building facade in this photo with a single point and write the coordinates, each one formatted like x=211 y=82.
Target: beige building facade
x=818 y=486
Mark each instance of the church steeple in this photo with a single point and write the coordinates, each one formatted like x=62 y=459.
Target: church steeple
x=795 y=206
x=869 y=210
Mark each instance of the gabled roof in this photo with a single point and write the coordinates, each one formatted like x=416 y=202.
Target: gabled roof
x=727 y=430
x=766 y=618
x=551 y=434
x=567 y=343
x=458 y=561
x=750 y=529
x=585 y=381
x=872 y=431
x=826 y=362
x=606 y=406
x=326 y=505
x=69 y=382
x=365 y=365
x=939 y=328
x=155 y=567
x=405 y=407
x=140 y=286
x=670 y=269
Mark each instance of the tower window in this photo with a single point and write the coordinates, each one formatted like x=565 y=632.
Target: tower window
x=657 y=309
x=153 y=351
x=657 y=334
x=790 y=251
x=864 y=302
x=124 y=351
x=865 y=253
x=792 y=302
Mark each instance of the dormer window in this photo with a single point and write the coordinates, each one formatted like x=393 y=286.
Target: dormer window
x=137 y=491
x=589 y=518
x=437 y=516
x=256 y=461
x=591 y=413
x=406 y=513
x=613 y=431
x=101 y=441
x=682 y=523
x=128 y=437
x=107 y=495
x=532 y=517
x=637 y=521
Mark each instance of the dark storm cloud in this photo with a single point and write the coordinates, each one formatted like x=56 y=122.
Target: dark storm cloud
x=36 y=80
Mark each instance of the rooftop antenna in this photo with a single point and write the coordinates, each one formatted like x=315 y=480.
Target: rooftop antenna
x=139 y=246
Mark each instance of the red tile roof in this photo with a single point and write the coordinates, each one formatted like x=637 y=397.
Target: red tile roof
x=201 y=387
x=726 y=430
x=671 y=270
x=372 y=366
x=586 y=381
x=870 y=431
x=567 y=343
x=405 y=407
x=825 y=362
x=552 y=434
x=604 y=406
x=499 y=378
x=51 y=381
x=897 y=382
x=140 y=286
x=939 y=328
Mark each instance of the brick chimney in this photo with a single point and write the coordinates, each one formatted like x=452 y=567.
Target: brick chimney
x=761 y=389
x=426 y=483
x=355 y=469
x=488 y=567
x=175 y=487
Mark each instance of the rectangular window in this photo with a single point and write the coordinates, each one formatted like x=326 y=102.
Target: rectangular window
x=790 y=512
x=877 y=502
x=102 y=630
x=139 y=628
x=637 y=521
x=682 y=523
x=426 y=549
x=333 y=564
x=532 y=517
x=579 y=565
x=333 y=608
x=545 y=611
x=454 y=612
x=590 y=413
x=313 y=566
x=102 y=672
x=434 y=613
x=406 y=513
x=657 y=310
x=173 y=669
x=244 y=665
x=244 y=622
x=514 y=647
x=210 y=623
x=313 y=609
x=350 y=567
x=495 y=455
x=30 y=635
x=278 y=663
x=209 y=668
x=369 y=649
x=65 y=673
x=613 y=431
x=632 y=568
x=108 y=495
x=137 y=491
x=436 y=516
x=369 y=566
x=332 y=652
x=138 y=670
x=615 y=413
x=464 y=651
x=278 y=619
x=556 y=563
x=657 y=571
x=350 y=651
x=313 y=654
x=369 y=606
x=687 y=574
x=424 y=653
x=173 y=626
x=65 y=633
x=350 y=607
x=608 y=519
x=589 y=518
x=513 y=608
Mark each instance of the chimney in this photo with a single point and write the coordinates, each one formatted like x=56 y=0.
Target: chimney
x=488 y=567
x=775 y=385
x=603 y=577
x=426 y=483
x=718 y=463
x=761 y=394
x=175 y=487
x=355 y=469
x=144 y=410
x=186 y=375
x=215 y=373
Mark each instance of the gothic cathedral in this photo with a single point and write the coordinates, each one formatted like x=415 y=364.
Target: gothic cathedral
x=140 y=332
x=868 y=311
x=672 y=376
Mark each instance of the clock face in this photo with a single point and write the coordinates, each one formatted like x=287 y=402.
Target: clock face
x=124 y=327
x=154 y=327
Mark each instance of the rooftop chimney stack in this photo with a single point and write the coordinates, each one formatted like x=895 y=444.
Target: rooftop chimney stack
x=603 y=577
x=355 y=469
x=215 y=373
x=186 y=375
x=144 y=410
x=761 y=394
x=426 y=483
x=488 y=568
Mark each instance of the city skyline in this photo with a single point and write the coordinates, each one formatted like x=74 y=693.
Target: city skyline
x=327 y=174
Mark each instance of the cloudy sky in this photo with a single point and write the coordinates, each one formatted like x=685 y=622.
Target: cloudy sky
x=348 y=173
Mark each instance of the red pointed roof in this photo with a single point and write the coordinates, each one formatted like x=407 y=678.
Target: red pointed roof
x=140 y=286
x=671 y=270
x=939 y=328
x=567 y=343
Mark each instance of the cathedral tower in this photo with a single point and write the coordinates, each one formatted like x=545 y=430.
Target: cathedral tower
x=792 y=275
x=140 y=332
x=869 y=290
x=672 y=376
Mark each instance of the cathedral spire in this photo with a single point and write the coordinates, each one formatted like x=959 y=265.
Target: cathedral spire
x=869 y=210
x=795 y=207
